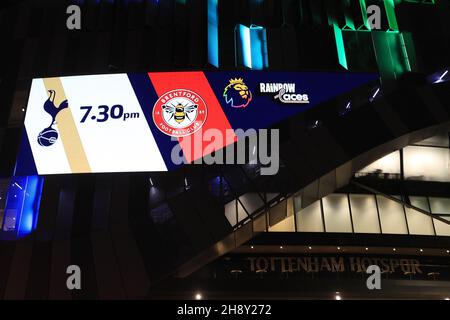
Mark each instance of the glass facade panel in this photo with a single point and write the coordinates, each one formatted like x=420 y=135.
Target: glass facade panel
x=252 y=202
x=270 y=196
x=230 y=212
x=440 y=140
x=392 y=216
x=387 y=164
x=337 y=213
x=297 y=203
x=241 y=212
x=286 y=225
x=278 y=213
x=259 y=224
x=440 y=205
x=364 y=213
x=419 y=223
x=420 y=202
x=442 y=229
x=427 y=163
x=309 y=219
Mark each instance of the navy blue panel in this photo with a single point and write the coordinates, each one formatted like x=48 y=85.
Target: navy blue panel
x=25 y=165
x=264 y=111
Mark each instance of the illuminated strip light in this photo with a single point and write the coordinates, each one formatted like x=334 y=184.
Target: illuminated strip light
x=441 y=78
x=405 y=52
x=213 y=33
x=347 y=109
x=376 y=93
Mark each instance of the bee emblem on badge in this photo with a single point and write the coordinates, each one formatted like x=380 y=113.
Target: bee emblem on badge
x=180 y=112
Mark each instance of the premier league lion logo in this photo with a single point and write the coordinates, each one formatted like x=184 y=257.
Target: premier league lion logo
x=237 y=94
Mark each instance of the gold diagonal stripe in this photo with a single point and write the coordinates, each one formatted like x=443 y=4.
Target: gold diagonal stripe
x=68 y=130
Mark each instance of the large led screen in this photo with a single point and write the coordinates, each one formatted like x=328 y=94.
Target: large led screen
x=132 y=122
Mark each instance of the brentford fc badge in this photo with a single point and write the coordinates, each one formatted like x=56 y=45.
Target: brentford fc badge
x=179 y=113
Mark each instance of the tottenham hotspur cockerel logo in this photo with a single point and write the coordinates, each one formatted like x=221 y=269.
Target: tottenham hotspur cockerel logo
x=49 y=135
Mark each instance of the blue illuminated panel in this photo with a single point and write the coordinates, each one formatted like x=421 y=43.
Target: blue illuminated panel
x=22 y=206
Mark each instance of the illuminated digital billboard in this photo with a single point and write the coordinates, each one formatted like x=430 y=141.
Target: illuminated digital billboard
x=132 y=122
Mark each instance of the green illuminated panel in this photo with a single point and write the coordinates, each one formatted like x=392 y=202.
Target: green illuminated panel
x=340 y=46
x=391 y=55
x=390 y=13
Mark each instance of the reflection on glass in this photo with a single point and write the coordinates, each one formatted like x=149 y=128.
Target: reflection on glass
x=420 y=202
x=440 y=205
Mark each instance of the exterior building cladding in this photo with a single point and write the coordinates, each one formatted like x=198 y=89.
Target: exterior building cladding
x=129 y=231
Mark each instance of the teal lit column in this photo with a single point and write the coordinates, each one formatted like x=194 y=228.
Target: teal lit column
x=213 y=33
x=340 y=46
x=251 y=47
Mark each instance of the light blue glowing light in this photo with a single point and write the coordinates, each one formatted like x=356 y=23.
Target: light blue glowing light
x=258 y=40
x=243 y=43
x=213 y=33
x=251 y=47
